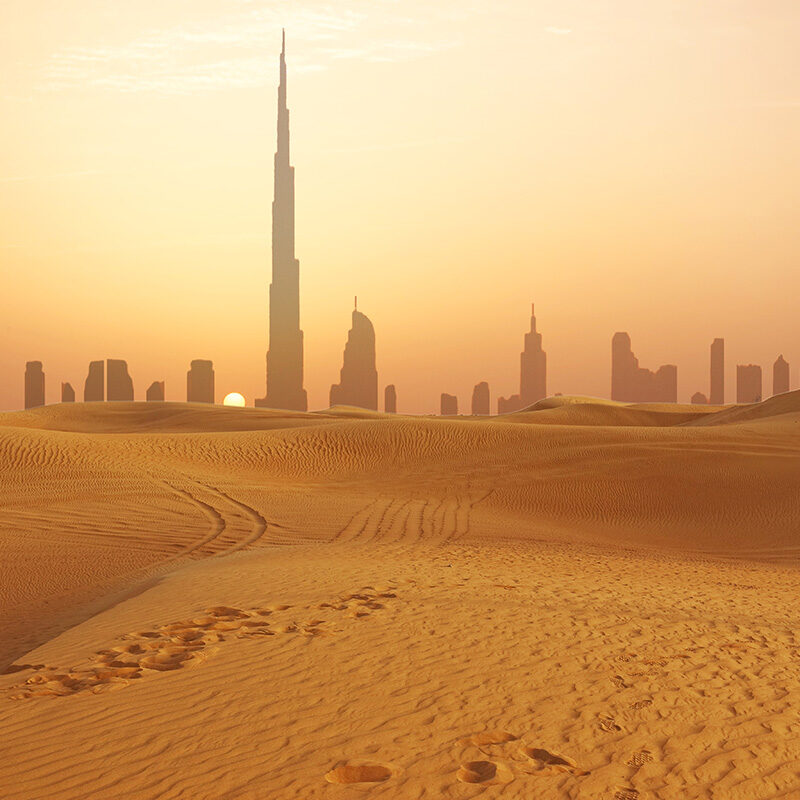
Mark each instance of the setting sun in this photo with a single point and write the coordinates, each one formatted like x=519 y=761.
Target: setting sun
x=234 y=399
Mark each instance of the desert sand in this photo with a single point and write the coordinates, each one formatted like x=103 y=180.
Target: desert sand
x=582 y=600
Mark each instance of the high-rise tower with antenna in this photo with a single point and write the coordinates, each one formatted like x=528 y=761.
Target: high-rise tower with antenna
x=285 y=354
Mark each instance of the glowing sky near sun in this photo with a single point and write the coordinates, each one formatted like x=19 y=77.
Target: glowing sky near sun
x=626 y=165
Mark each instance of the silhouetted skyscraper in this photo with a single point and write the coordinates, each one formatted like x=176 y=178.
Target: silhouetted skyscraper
x=623 y=365
x=200 y=382
x=448 y=405
x=533 y=373
x=119 y=385
x=480 y=399
x=780 y=376
x=94 y=390
x=665 y=384
x=390 y=399
x=748 y=383
x=358 y=378
x=155 y=392
x=717 y=396
x=67 y=393
x=631 y=383
x=34 y=384
x=285 y=354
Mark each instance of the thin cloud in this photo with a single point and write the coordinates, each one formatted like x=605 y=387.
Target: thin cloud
x=235 y=51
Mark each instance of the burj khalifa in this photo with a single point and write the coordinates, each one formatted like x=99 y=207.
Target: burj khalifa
x=285 y=353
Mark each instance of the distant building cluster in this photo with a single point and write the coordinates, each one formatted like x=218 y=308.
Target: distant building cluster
x=749 y=381
x=532 y=374
x=631 y=383
x=358 y=382
x=200 y=382
x=34 y=384
x=448 y=405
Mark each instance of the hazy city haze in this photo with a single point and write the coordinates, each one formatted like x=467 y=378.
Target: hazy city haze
x=630 y=166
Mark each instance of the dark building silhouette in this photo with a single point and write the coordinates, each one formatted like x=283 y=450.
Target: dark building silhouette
x=155 y=392
x=67 y=393
x=358 y=378
x=119 y=386
x=533 y=373
x=94 y=390
x=699 y=399
x=200 y=382
x=717 y=396
x=285 y=354
x=34 y=384
x=390 y=399
x=748 y=383
x=780 y=376
x=480 y=399
x=631 y=383
x=448 y=406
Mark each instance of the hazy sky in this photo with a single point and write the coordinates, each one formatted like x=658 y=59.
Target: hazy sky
x=626 y=165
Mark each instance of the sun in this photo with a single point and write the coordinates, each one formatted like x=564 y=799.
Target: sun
x=234 y=399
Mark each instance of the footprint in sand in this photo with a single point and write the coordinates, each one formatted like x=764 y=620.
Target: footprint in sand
x=484 y=772
x=608 y=723
x=165 y=660
x=545 y=762
x=175 y=645
x=226 y=612
x=50 y=684
x=313 y=628
x=640 y=758
x=359 y=773
x=288 y=628
x=517 y=758
x=254 y=627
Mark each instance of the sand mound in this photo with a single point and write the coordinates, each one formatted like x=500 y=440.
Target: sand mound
x=351 y=412
x=576 y=410
x=559 y=400
x=154 y=418
x=779 y=405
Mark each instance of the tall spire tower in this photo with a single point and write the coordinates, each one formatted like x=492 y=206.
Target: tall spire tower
x=285 y=354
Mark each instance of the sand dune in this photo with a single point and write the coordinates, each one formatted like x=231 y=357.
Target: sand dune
x=780 y=405
x=585 y=599
x=153 y=417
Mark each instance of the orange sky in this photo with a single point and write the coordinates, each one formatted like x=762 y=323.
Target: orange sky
x=626 y=165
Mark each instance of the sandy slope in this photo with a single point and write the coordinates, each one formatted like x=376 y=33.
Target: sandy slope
x=581 y=600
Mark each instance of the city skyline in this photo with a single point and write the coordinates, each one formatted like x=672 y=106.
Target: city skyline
x=358 y=378
x=365 y=223
x=359 y=387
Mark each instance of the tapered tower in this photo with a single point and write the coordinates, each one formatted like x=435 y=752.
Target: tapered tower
x=285 y=354
x=358 y=381
x=533 y=374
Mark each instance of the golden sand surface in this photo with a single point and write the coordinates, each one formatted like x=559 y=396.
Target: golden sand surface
x=582 y=600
